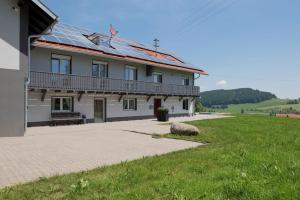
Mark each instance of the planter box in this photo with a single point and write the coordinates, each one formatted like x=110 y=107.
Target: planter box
x=163 y=116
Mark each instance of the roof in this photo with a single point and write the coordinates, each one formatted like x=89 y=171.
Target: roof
x=75 y=39
x=45 y=9
x=41 y=18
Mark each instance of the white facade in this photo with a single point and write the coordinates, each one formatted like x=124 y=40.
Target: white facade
x=82 y=65
x=39 y=111
x=9 y=35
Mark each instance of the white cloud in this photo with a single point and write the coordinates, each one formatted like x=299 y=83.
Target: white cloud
x=221 y=83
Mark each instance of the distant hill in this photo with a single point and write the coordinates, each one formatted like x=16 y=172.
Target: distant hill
x=235 y=96
x=269 y=106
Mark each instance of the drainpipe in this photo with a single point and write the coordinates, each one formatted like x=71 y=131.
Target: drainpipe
x=28 y=71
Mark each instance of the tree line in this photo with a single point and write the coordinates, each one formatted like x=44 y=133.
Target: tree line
x=236 y=96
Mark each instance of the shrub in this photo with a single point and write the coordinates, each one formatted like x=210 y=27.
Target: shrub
x=163 y=110
x=199 y=107
x=163 y=114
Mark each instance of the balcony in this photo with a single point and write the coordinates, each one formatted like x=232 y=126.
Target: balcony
x=52 y=81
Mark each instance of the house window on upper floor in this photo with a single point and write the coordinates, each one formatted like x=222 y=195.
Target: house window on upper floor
x=99 y=69
x=130 y=104
x=61 y=104
x=60 y=64
x=185 y=81
x=157 y=77
x=185 y=104
x=130 y=73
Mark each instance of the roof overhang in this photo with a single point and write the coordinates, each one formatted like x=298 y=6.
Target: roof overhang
x=76 y=49
x=41 y=18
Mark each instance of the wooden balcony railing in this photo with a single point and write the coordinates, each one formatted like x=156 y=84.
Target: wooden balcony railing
x=44 y=80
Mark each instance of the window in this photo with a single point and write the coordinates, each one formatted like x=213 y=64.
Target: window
x=185 y=104
x=157 y=77
x=130 y=73
x=185 y=81
x=99 y=69
x=61 y=104
x=130 y=104
x=60 y=64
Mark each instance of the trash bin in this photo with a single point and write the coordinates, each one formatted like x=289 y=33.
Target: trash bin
x=83 y=119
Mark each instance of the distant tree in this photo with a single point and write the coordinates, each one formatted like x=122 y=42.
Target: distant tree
x=293 y=101
x=199 y=107
x=242 y=111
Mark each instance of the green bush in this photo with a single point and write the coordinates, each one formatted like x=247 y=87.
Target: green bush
x=163 y=110
x=199 y=107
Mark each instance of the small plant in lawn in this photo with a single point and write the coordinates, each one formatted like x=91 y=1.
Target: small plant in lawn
x=79 y=186
x=242 y=111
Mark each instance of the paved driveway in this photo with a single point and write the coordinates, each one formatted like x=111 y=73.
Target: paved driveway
x=47 y=151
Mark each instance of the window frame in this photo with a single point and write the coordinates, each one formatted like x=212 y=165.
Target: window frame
x=125 y=73
x=185 y=104
x=98 y=63
x=128 y=104
x=184 y=79
x=61 y=104
x=159 y=74
x=59 y=58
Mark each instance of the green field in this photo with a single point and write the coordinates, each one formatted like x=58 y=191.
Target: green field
x=262 y=107
x=246 y=157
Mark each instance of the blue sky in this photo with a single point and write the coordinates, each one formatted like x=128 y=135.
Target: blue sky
x=241 y=43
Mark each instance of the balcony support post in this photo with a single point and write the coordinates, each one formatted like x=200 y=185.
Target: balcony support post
x=120 y=98
x=180 y=98
x=166 y=97
x=148 y=98
x=43 y=94
x=80 y=95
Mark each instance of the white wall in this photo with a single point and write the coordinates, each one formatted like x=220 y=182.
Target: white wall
x=9 y=35
x=82 y=65
x=40 y=111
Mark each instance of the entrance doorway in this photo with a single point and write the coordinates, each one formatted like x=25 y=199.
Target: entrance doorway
x=99 y=110
x=157 y=104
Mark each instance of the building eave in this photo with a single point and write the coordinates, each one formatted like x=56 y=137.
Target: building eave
x=45 y=9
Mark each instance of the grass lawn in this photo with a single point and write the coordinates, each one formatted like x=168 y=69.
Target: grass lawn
x=248 y=157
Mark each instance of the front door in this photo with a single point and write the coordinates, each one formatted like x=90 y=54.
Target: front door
x=157 y=104
x=99 y=110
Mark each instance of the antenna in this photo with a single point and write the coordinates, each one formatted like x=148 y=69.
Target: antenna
x=156 y=44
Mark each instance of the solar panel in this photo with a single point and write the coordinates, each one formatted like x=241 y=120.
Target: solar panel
x=70 y=35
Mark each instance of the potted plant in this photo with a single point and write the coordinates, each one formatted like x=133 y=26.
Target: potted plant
x=163 y=114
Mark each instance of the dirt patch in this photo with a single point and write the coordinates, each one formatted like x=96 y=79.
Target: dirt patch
x=288 y=115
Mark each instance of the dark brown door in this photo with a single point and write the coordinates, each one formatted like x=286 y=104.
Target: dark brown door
x=157 y=104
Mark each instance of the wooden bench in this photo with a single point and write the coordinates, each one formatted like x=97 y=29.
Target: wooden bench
x=66 y=118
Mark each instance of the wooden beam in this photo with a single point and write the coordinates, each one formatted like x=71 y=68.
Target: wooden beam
x=43 y=94
x=70 y=91
x=80 y=95
x=57 y=90
x=121 y=96
x=166 y=97
x=148 y=98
